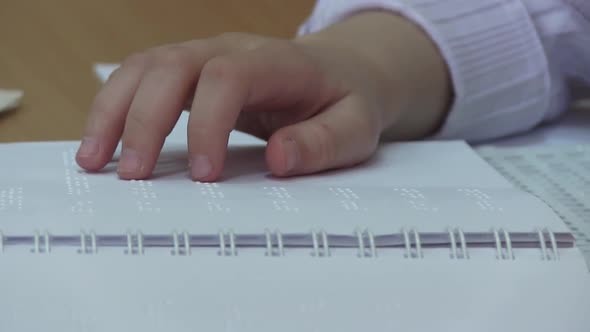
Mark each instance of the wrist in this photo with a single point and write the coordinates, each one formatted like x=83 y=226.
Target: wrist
x=399 y=63
x=424 y=77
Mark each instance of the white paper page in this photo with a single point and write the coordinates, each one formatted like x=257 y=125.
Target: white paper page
x=396 y=190
x=114 y=293
x=104 y=70
x=10 y=99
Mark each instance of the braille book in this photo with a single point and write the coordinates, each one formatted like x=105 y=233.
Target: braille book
x=423 y=236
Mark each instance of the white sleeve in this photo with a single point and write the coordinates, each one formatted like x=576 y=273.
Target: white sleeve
x=510 y=60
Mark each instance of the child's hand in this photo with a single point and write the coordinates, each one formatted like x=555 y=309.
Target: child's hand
x=322 y=101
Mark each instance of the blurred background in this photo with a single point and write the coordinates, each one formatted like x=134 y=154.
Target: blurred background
x=48 y=48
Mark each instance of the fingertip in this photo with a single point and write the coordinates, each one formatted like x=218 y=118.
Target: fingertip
x=327 y=141
x=88 y=155
x=208 y=151
x=87 y=163
x=207 y=179
x=283 y=156
x=132 y=165
x=201 y=169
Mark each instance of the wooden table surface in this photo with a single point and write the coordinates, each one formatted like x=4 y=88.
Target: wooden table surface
x=48 y=48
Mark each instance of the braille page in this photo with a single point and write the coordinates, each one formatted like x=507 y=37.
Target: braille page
x=69 y=292
x=42 y=189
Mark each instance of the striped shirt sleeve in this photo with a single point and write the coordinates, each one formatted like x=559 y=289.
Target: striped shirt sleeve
x=506 y=58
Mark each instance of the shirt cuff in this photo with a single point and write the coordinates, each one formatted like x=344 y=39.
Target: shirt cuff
x=496 y=60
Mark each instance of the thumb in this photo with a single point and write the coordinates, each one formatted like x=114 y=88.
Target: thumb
x=343 y=135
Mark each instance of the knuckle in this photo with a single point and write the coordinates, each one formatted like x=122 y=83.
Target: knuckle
x=223 y=69
x=240 y=40
x=175 y=56
x=197 y=46
x=136 y=59
x=139 y=123
x=233 y=36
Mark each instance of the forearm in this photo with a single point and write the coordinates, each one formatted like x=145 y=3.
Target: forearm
x=410 y=77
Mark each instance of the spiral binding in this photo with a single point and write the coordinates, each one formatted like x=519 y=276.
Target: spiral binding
x=554 y=255
x=177 y=249
x=46 y=248
x=325 y=247
x=372 y=246
x=223 y=250
x=187 y=243
x=134 y=243
x=84 y=249
x=417 y=252
x=504 y=252
x=274 y=242
x=455 y=253
x=270 y=248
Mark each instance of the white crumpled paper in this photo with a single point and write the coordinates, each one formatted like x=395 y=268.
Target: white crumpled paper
x=10 y=99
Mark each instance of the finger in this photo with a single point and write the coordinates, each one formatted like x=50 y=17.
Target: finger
x=108 y=112
x=219 y=98
x=156 y=107
x=341 y=136
x=267 y=78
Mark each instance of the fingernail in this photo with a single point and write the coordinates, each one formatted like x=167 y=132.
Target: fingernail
x=130 y=162
x=88 y=147
x=291 y=154
x=200 y=166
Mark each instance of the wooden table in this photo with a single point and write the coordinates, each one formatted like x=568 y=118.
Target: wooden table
x=47 y=48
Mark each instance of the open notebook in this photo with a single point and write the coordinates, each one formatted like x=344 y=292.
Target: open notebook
x=424 y=236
